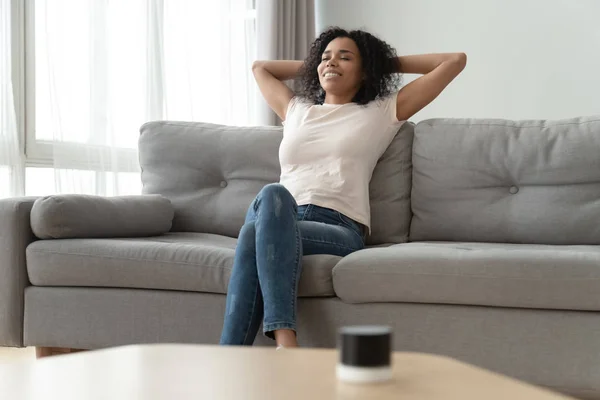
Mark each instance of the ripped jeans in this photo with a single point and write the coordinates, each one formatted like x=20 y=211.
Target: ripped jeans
x=267 y=265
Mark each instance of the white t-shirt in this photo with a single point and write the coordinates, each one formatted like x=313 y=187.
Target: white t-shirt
x=329 y=151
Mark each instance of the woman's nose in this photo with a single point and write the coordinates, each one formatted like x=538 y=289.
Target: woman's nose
x=331 y=62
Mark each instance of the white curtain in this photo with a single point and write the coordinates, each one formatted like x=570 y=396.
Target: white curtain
x=11 y=162
x=285 y=31
x=104 y=67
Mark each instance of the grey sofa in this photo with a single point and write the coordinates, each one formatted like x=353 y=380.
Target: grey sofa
x=485 y=247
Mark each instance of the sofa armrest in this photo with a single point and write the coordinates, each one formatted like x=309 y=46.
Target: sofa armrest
x=15 y=236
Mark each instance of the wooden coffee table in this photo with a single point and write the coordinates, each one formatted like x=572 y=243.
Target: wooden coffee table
x=195 y=372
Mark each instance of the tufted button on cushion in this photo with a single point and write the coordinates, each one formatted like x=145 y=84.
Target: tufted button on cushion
x=513 y=190
x=223 y=184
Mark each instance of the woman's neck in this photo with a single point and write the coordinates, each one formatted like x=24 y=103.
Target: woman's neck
x=338 y=99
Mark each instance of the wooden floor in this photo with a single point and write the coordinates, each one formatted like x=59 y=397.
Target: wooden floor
x=13 y=354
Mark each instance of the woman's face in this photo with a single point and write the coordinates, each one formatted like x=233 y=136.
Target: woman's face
x=340 y=70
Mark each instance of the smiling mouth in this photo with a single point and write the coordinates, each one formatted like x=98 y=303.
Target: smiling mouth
x=331 y=75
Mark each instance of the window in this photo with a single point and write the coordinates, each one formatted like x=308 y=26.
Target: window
x=47 y=181
x=95 y=71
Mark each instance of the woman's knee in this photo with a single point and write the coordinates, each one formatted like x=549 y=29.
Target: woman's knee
x=277 y=195
x=275 y=189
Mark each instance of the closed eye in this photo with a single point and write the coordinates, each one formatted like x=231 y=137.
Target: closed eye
x=342 y=58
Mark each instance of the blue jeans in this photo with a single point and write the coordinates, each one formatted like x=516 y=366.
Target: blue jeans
x=267 y=265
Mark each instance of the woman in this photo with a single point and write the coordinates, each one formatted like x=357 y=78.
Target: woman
x=335 y=130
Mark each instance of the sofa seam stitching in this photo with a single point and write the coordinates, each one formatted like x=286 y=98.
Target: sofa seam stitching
x=472 y=276
x=127 y=258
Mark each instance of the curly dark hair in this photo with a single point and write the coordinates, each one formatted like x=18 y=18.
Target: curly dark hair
x=379 y=64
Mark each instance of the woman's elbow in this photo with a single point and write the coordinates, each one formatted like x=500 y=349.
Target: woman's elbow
x=460 y=59
x=257 y=64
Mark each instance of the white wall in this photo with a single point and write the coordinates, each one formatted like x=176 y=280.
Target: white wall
x=527 y=59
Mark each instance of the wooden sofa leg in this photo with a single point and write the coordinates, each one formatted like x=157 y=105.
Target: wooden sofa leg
x=41 y=352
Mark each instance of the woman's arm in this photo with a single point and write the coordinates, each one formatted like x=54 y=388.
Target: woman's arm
x=269 y=76
x=438 y=69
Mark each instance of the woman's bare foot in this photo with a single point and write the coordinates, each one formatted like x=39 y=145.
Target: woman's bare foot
x=285 y=338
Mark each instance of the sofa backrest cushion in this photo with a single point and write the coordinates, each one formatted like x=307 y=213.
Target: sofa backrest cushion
x=389 y=190
x=507 y=181
x=211 y=173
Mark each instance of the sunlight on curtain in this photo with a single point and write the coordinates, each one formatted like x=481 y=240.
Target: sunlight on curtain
x=208 y=53
x=11 y=163
x=103 y=68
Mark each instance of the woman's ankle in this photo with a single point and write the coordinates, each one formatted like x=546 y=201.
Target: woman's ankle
x=285 y=338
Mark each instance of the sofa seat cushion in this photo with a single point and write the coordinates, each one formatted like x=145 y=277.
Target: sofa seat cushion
x=176 y=261
x=486 y=274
